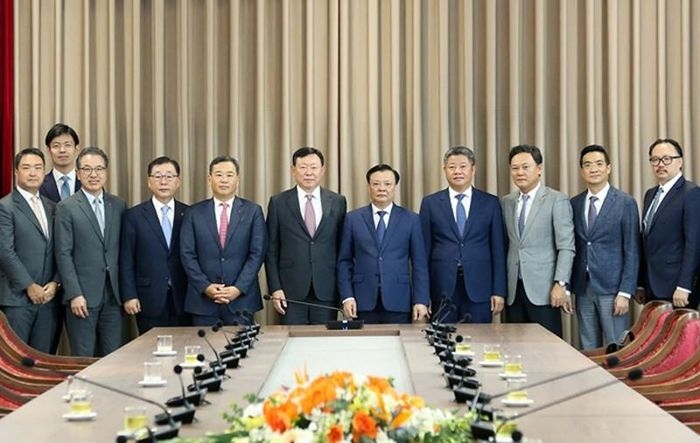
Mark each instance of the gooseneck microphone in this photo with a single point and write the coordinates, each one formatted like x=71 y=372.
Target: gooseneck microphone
x=195 y=397
x=160 y=433
x=202 y=334
x=633 y=375
x=346 y=323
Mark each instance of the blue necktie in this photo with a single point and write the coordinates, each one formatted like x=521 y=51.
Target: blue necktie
x=652 y=210
x=461 y=214
x=521 y=217
x=381 y=226
x=165 y=224
x=65 y=188
x=592 y=213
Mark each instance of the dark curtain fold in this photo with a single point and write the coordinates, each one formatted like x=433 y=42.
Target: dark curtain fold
x=6 y=94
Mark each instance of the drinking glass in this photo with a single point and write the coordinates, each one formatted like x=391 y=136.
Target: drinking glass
x=492 y=353
x=152 y=371
x=191 y=353
x=135 y=418
x=514 y=364
x=81 y=402
x=516 y=391
x=164 y=343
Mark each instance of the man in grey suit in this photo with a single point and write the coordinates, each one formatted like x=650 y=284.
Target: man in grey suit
x=604 y=277
x=28 y=277
x=304 y=226
x=87 y=253
x=540 y=228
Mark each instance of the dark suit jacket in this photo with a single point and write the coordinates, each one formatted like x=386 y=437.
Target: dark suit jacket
x=26 y=255
x=670 y=247
x=399 y=264
x=481 y=251
x=50 y=190
x=87 y=260
x=295 y=259
x=611 y=250
x=146 y=263
x=237 y=264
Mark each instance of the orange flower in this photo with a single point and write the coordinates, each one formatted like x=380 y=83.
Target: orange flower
x=401 y=418
x=380 y=385
x=280 y=417
x=363 y=426
x=335 y=434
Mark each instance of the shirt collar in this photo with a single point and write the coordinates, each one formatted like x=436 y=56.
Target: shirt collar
x=91 y=198
x=453 y=193
x=601 y=194
x=159 y=205
x=532 y=192
x=671 y=183
x=217 y=202
x=26 y=194
x=387 y=209
x=301 y=194
x=57 y=175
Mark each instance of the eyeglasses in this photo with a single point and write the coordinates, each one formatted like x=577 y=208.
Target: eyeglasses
x=591 y=165
x=88 y=170
x=166 y=177
x=666 y=160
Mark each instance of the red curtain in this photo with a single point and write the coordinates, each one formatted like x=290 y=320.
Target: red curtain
x=6 y=95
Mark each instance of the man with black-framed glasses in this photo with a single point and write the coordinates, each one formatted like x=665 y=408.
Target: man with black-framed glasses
x=670 y=228
x=152 y=280
x=87 y=254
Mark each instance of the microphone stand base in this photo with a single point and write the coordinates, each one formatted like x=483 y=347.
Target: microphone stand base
x=336 y=325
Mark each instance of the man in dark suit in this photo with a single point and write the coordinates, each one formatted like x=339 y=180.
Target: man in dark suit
x=540 y=226
x=669 y=230
x=463 y=232
x=382 y=265
x=152 y=281
x=87 y=253
x=28 y=275
x=304 y=226
x=63 y=145
x=604 y=275
x=223 y=244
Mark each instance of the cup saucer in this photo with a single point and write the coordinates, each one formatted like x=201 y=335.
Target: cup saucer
x=491 y=364
x=506 y=376
x=153 y=383
x=164 y=353
x=523 y=402
x=186 y=365
x=71 y=416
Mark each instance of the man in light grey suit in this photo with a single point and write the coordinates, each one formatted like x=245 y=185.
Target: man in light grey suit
x=604 y=276
x=304 y=225
x=87 y=253
x=540 y=228
x=28 y=277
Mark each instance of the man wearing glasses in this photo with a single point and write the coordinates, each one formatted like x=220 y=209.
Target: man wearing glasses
x=87 y=254
x=669 y=230
x=152 y=281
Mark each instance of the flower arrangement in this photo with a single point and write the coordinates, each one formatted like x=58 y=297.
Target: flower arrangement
x=341 y=408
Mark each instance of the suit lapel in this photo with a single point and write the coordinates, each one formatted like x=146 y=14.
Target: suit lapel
x=326 y=209
x=608 y=206
x=292 y=203
x=446 y=210
x=368 y=217
x=234 y=220
x=151 y=217
x=395 y=220
x=476 y=199
x=534 y=209
x=24 y=207
x=672 y=194
x=84 y=206
x=211 y=221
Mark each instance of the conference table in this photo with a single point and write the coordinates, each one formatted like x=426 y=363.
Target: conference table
x=615 y=413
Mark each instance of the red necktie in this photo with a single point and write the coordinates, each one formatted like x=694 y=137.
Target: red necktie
x=223 y=224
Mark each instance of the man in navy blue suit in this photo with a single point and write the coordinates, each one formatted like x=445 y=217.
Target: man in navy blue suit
x=223 y=243
x=152 y=280
x=604 y=275
x=63 y=145
x=465 y=240
x=382 y=266
x=669 y=230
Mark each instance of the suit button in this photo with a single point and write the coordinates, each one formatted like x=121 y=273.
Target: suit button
x=223 y=259
x=588 y=243
x=312 y=243
x=381 y=258
x=107 y=268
